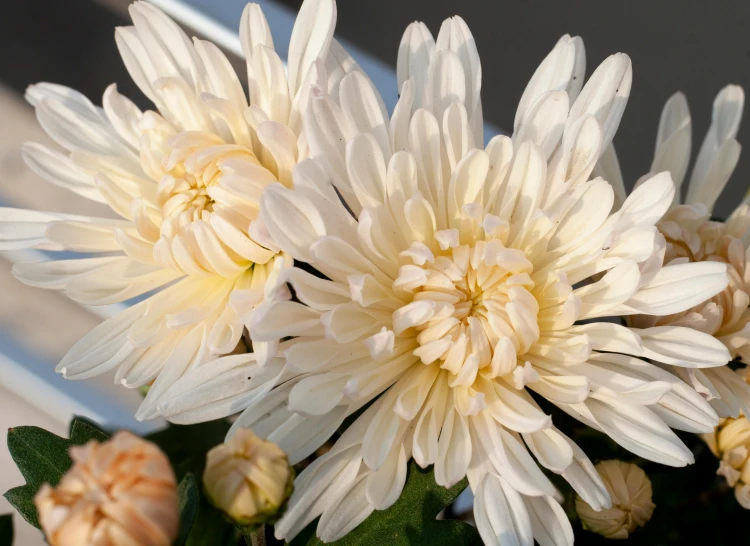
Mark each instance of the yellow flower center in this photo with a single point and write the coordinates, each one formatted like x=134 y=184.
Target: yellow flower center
x=471 y=307
x=193 y=169
x=207 y=196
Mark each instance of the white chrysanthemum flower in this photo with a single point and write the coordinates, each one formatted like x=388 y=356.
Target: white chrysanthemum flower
x=691 y=235
x=186 y=179
x=457 y=282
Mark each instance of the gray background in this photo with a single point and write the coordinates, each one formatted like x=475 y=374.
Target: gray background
x=695 y=46
x=690 y=45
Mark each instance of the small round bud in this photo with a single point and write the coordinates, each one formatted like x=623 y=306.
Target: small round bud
x=730 y=442
x=248 y=479
x=119 y=492
x=630 y=490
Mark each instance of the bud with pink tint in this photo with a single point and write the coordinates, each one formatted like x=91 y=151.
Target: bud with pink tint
x=119 y=492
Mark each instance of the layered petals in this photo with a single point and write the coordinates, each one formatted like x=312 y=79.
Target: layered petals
x=184 y=181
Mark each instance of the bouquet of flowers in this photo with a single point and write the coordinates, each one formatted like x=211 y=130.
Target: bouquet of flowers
x=350 y=316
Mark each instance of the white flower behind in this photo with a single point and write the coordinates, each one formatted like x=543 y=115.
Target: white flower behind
x=456 y=278
x=186 y=180
x=692 y=235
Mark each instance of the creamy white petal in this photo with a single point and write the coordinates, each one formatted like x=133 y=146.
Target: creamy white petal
x=585 y=480
x=218 y=389
x=683 y=347
x=500 y=514
x=562 y=69
x=609 y=169
x=673 y=140
x=605 y=95
x=543 y=124
x=60 y=170
x=311 y=37
x=359 y=101
x=676 y=288
x=719 y=151
x=640 y=431
x=549 y=521
x=415 y=53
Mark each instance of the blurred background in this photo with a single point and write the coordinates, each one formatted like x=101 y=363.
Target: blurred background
x=674 y=45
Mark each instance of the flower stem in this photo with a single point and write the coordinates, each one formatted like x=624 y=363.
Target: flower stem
x=256 y=537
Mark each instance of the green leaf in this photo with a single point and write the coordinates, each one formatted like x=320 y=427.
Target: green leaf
x=42 y=457
x=210 y=528
x=22 y=499
x=189 y=501
x=186 y=445
x=6 y=530
x=411 y=519
x=83 y=431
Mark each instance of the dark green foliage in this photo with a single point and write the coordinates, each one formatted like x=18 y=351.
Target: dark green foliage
x=22 y=499
x=412 y=519
x=210 y=528
x=42 y=457
x=693 y=505
x=6 y=530
x=186 y=445
x=189 y=501
x=82 y=431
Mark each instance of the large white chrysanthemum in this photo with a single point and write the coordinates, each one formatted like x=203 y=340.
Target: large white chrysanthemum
x=186 y=179
x=691 y=235
x=463 y=287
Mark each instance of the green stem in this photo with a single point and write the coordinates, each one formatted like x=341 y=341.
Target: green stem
x=256 y=537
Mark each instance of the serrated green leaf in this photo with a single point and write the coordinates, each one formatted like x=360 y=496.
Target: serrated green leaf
x=22 y=499
x=6 y=530
x=411 y=519
x=42 y=457
x=82 y=431
x=189 y=501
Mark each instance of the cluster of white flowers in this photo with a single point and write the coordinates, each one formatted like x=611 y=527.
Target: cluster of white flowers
x=445 y=292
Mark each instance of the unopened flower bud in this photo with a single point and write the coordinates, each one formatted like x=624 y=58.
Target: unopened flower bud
x=730 y=442
x=248 y=479
x=630 y=490
x=119 y=492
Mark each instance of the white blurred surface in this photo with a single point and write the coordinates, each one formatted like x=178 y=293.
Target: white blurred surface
x=37 y=327
x=15 y=411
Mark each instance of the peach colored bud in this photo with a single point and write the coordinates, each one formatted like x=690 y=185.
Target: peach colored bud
x=247 y=478
x=730 y=442
x=630 y=490
x=119 y=492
